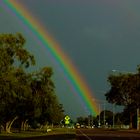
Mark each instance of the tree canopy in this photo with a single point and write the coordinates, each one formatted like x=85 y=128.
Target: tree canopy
x=125 y=91
x=25 y=96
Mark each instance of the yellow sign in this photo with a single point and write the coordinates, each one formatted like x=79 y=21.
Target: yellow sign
x=67 y=120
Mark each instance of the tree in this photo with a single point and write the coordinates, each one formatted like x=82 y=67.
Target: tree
x=125 y=91
x=106 y=116
x=25 y=95
x=13 y=52
x=82 y=120
x=14 y=85
x=46 y=105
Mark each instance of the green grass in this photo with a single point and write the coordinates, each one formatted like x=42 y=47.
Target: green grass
x=23 y=134
x=28 y=134
x=62 y=131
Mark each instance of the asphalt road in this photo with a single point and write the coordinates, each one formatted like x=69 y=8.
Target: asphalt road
x=86 y=134
x=100 y=134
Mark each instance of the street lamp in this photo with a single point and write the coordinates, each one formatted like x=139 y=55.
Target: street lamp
x=113 y=115
x=99 y=115
x=104 y=113
x=104 y=104
x=138 y=119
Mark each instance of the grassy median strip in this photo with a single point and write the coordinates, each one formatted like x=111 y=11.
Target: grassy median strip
x=37 y=133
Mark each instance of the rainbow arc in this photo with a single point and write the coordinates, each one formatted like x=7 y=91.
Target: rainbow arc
x=77 y=83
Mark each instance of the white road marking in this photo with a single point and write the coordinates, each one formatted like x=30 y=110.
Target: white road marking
x=85 y=135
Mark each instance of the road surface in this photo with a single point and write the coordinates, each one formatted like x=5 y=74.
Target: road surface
x=100 y=134
x=85 y=134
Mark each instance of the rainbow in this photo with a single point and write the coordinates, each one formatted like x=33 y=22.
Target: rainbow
x=42 y=36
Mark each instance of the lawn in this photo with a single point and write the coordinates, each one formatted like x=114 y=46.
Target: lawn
x=41 y=135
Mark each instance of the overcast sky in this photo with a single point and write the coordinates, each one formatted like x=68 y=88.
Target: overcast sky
x=97 y=35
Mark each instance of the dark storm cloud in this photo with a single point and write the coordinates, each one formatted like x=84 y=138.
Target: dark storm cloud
x=97 y=35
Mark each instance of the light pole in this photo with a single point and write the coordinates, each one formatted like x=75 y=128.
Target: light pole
x=104 y=104
x=113 y=115
x=138 y=121
x=104 y=113
x=99 y=115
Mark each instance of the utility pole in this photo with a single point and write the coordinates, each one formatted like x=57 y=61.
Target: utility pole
x=99 y=115
x=88 y=120
x=104 y=114
x=138 y=121
x=113 y=115
x=103 y=102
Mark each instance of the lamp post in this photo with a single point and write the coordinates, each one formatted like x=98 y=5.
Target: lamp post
x=138 y=119
x=99 y=115
x=104 y=104
x=104 y=113
x=113 y=115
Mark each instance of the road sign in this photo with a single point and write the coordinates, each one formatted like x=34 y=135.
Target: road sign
x=67 y=120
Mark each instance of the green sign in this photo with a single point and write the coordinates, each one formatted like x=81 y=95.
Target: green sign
x=67 y=122
x=67 y=119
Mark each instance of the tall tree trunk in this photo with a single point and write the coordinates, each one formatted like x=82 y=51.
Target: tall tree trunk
x=24 y=125
x=0 y=128
x=131 y=118
x=9 y=124
x=6 y=127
